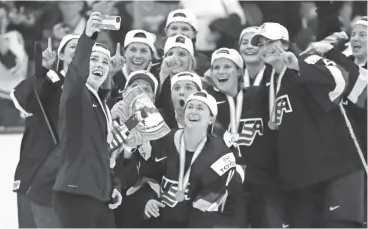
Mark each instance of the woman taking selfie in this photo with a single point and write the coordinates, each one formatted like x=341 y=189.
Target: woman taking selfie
x=85 y=191
x=200 y=183
x=178 y=57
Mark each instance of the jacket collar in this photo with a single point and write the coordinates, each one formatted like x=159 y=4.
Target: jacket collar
x=105 y=109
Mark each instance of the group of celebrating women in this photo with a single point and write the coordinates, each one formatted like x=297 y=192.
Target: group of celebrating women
x=265 y=138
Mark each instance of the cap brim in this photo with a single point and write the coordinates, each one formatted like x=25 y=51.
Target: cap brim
x=142 y=77
x=255 y=39
x=270 y=36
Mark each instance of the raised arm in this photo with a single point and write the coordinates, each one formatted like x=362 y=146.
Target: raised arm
x=356 y=90
x=326 y=80
x=78 y=70
x=23 y=95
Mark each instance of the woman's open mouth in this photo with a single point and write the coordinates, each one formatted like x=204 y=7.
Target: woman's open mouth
x=181 y=103
x=97 y=73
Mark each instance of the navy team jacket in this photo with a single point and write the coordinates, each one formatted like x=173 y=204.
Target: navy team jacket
x=84 y=156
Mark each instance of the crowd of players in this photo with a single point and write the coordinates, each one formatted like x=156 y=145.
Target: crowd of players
x=265 y=138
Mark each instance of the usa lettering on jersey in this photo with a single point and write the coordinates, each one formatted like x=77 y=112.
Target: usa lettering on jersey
x=282 y=106
x=168 y=191
x=251 y=128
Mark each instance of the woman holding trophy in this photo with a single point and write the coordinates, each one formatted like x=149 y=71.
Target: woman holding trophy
x=130 y=156
x=201 y=184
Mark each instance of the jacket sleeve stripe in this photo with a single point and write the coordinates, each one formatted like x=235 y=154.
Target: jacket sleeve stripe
x=241 y=172
x=340 y=83
x=18 y=106
x=53 y=76
x=358 y=94
x=210 y=202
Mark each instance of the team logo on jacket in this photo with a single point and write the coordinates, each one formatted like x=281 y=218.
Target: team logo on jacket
x=282 y=106
x=168 y=191
x=251 y=128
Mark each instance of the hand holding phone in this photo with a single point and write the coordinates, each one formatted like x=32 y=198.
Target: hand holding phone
x=109 y=22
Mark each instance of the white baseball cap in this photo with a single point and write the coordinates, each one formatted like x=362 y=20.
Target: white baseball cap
x=230 y=54
x=208 y=99
x=251 y=29
x=271 y=30
x=182 y=15
x=99 y=47
x=65 y=41
x=179 y=41
x=144 y=75
x=191 y=76
x=361 y=21
x=140 y=36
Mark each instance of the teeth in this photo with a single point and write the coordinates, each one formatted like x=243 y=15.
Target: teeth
x=222 y=80
x=192 y=119
x=137 y=62
x=97 y=72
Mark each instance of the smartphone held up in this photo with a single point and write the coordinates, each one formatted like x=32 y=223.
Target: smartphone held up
x=110 y=22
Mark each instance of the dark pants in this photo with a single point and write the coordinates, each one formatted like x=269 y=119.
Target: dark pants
x=365 y=200
x=44 y=216
x=25 y=216
x=264 y=207
x=130 y=214
x=81 y=211
x=335 y=203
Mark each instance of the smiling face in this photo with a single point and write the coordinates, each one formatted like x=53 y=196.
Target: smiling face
x=358 y=41
x=180 y=28
x=68 y=52
x=98 y=69
x=137 y=55
x=180 y=92
x=268 y=51
x=225 y=75
x=198 y=115
x=183 y=56
x=249 y=52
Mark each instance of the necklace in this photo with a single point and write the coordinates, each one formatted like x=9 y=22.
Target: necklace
x=258 y=79
x=235 y=111
x=184 y=179
x=272 y=123
x=235 y=114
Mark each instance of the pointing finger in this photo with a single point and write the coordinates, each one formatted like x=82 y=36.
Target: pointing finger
x=49 y=44
x=118 y=49
x=279 y=48
x=306 y=51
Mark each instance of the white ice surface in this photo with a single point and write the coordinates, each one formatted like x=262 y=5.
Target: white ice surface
x=9 y=156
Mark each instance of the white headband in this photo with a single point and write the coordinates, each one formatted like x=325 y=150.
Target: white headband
x=208 y=99
x=190 y=76
x=98 y=48
x=252 y=29
x=361 y=22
